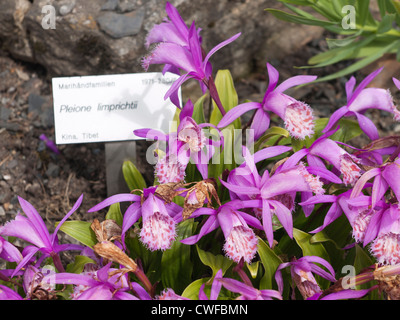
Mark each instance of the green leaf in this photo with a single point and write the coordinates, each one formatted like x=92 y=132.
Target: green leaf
x=176 y=264
x=132 y=176
x=78 y=264
x=253 y=268
x=198 y=110
x=386 y=24
x=299 y=19
x=270 y=261
x=362 y=11
x=114 y=213
x=303 y=239
x=215 y=262
x=271 y=132
x=192 y=290
x=360 y=63
x=321 y=237
x=228 y=96
x=81 y=231
x=338 y=54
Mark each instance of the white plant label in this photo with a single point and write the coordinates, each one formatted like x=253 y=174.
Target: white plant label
x=109 y=107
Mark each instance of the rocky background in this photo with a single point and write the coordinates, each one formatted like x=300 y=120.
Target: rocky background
x=93 y=37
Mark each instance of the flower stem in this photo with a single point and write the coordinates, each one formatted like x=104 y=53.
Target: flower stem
x=146 y=282
x=57 y=262
x=214 y=95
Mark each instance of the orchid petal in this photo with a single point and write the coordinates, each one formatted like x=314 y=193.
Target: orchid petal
x=115 y=199
x=132 y=214
x=396 y=82
x=151 y=134
x=346 y=294
x=267 y=222
x=37 y=221
x=210 y=225
x=29 y=252
x=335 y=117
x=363 y=84
x=270 y=152
x=350 y=87
x=334 y=212
x=273 y=75
x=367 y=126
x=260 y=123
x=391 y=174
x=236 y=112
x=73 y=209
x=294 y=81
x=284 y=215
x=219 y=46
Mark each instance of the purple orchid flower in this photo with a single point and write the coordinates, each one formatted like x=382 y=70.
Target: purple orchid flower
x=329 y=150
x=240 y=239
x=340 y=204
x=384 y=228
x=181 y=51
x=158 y=219
x=103 y=284
x=302 y=274
x=188 y=143
x=275 y=195
x=385 y=176
x=297 y=115
x=172 y=30
x=248 y=292
x=361 y=99
x=33 y=230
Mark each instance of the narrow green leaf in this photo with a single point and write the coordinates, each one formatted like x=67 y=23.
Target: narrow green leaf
x=198 y=110
x=228 y=96
x=215 y=262
x=176 y=264
x=78 y=264
x=81 y=231
x=338 y=54
x=386 y=24
x=270 y=261
x=362 y=12
x=359 y=64
x=114 y=213
x=132 y=176
x=298 y=19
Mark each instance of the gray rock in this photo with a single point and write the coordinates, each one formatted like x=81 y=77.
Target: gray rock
x=121 y=25
x=66 y=7
x=35 y=103
x=53 y=170
x=127 y=5
x=4 y=113
x=110 y=5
